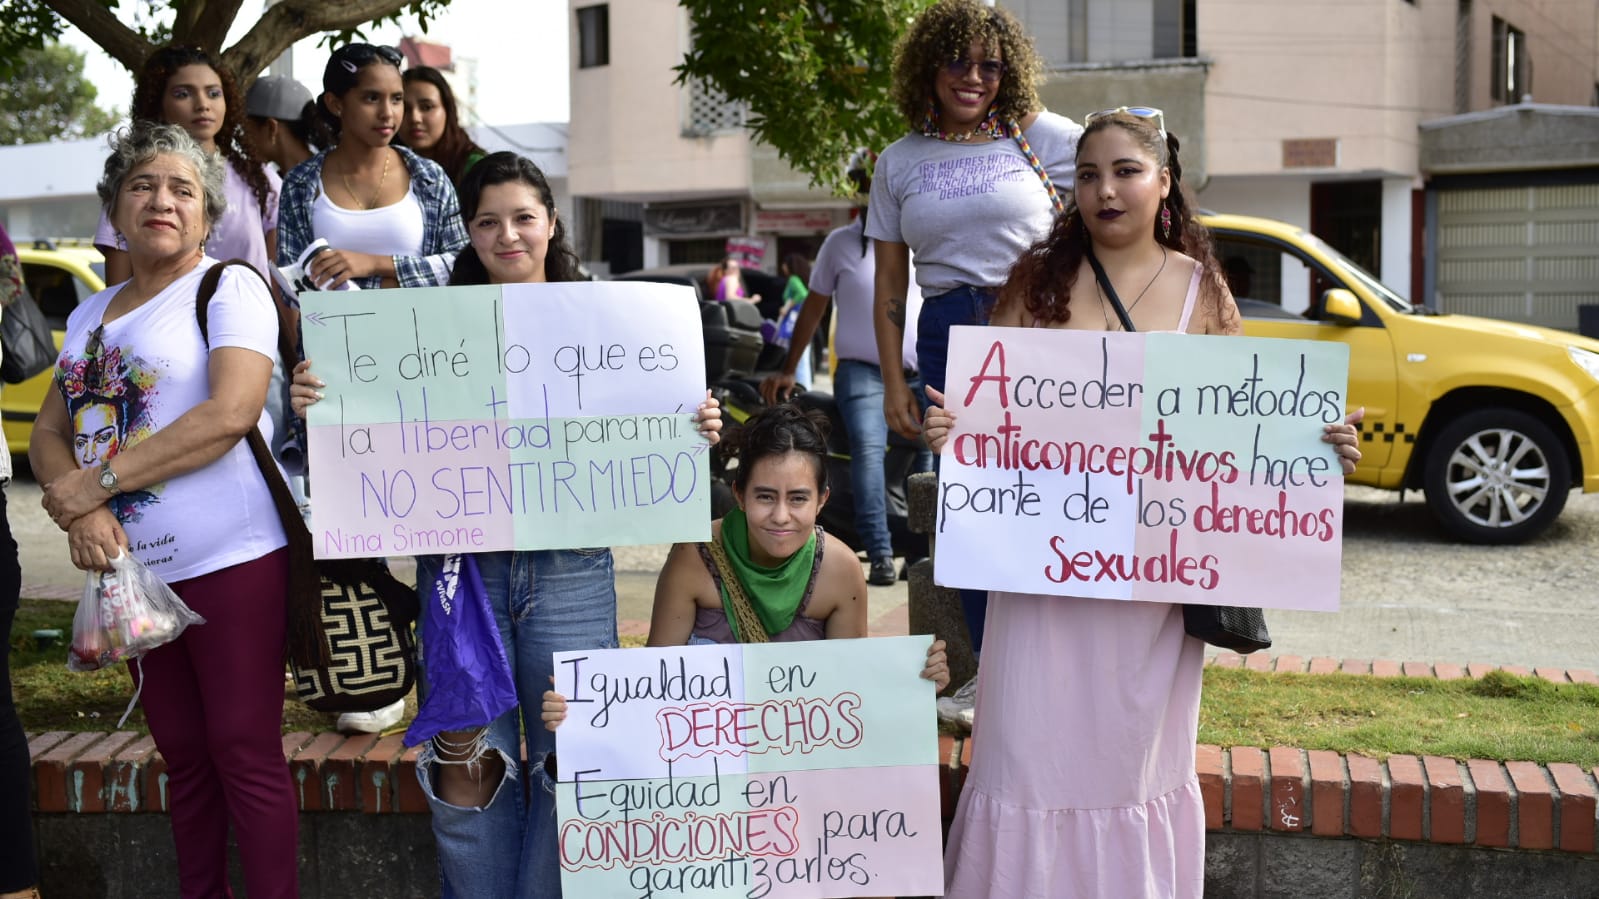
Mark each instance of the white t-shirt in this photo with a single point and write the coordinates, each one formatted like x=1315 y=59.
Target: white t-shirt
x=394 y=230
x=968 y=210
x=151 y=368
x=842 y=272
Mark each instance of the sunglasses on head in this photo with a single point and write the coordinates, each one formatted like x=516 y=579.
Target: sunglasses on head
x=1139 y=112
x=94 y=352
x=989 y=70
x=354 y=56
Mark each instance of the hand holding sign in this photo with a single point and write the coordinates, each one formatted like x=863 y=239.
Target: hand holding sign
x=1159 y=467
x=778 y=769
x=458 y=419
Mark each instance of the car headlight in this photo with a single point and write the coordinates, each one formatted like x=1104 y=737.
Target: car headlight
x=1586 y=360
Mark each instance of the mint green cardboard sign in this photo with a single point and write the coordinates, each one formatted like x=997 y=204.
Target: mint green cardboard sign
x=527 y=416
x=780 y=769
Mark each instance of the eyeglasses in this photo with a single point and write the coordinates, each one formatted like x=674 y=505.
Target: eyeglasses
x=354 y=56
x=94 y=352
x=1140 y=112
x=989 y=70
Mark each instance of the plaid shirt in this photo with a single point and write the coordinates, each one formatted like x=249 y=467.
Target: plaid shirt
x=443 y=232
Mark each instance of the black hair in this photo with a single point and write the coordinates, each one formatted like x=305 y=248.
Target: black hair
x=777 y=431
x=1041 y=279
x=343 y=72
x=505 y=167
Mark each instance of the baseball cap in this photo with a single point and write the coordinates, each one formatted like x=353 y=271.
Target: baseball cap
x=276 y=97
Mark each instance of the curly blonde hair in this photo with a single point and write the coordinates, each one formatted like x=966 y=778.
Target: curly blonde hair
x=944 y=32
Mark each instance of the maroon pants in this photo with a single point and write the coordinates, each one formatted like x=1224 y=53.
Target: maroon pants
x=214 y=701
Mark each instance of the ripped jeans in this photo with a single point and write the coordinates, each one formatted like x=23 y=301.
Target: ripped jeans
x=544 y=602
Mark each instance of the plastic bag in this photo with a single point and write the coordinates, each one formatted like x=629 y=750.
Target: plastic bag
x=468 y=676
x=124 y=613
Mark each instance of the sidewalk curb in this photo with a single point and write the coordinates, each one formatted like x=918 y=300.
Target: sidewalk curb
x=1282 y=789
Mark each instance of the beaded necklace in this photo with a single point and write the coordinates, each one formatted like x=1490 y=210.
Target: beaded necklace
x=1038 y=168
x=990 y=126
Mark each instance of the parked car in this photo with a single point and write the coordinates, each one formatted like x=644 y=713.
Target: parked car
x=1495 y=422
x=58 y=275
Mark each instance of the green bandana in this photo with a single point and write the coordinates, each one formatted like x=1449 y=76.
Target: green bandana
x=774 y=592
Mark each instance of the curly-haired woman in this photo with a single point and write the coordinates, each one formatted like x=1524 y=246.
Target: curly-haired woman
x=191 y=88
x=977 y=181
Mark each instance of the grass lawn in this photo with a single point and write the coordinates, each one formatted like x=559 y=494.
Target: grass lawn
x=1501 y=716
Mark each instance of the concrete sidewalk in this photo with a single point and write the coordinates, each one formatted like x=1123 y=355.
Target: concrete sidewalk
x=47 y=571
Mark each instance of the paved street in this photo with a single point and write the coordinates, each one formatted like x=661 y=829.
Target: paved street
x=1408 y=595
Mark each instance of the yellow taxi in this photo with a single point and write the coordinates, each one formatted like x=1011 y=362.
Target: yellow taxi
x=1495 y=422
x=58 y=275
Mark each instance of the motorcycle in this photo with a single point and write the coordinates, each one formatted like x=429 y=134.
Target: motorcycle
x=737 y=356
x=741 y=400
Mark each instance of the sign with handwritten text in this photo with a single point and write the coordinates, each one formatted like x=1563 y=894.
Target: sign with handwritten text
x=518 y=416
x=1157 y=467
x=781 y=770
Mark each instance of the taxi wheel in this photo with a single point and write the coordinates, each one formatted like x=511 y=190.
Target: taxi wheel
x=1497 y=476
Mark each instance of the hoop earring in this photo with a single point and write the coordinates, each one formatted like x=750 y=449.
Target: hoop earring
x=1165 y=221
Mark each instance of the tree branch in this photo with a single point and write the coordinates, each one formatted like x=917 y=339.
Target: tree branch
x=209 y=23
x=291 y=20
x=97 y=22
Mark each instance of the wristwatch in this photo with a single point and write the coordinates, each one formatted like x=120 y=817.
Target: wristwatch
x=108 y=479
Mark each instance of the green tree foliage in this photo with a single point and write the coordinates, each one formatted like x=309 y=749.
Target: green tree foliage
x=48 y=98
x=814 y=76
x=30 y=23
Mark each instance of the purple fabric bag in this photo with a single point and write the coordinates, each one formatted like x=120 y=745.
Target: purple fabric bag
x=468 y=678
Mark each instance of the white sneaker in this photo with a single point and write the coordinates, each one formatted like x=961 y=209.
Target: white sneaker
x=960 y=707
x=374 y=722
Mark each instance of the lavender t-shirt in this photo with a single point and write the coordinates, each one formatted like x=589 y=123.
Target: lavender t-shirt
x=968 y=210
x=844 y=273
x=241 y=232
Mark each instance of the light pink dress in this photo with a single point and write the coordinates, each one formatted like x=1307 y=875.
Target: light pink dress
x=1082 y=781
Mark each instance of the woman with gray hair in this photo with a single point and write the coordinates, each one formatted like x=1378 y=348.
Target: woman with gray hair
x=141 y=449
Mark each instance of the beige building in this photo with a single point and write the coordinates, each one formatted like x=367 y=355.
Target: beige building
x=665 y=173
x=1397 y=130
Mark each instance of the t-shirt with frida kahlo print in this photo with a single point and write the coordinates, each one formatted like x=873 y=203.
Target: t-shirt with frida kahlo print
x=139 y=373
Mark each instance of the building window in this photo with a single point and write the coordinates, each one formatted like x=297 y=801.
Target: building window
x=1077 y=31
x=593 y=36
x=709 y=111
x=1512 y=69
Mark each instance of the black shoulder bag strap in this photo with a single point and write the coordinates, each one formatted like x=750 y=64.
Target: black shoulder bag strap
x=307 y=645
x=1110 y=292
x=1241 y=629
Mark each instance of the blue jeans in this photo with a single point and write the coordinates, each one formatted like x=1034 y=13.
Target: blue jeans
x=858 y=387
x=544 y=602
x=961 y=306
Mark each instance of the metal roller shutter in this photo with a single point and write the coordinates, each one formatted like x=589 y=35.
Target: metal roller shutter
x=1526 y=253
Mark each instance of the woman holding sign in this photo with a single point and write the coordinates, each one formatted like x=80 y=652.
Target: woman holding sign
x=1083 y=782
x=491 y=841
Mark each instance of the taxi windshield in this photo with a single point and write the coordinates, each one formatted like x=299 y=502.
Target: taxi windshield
x=1354 y=271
